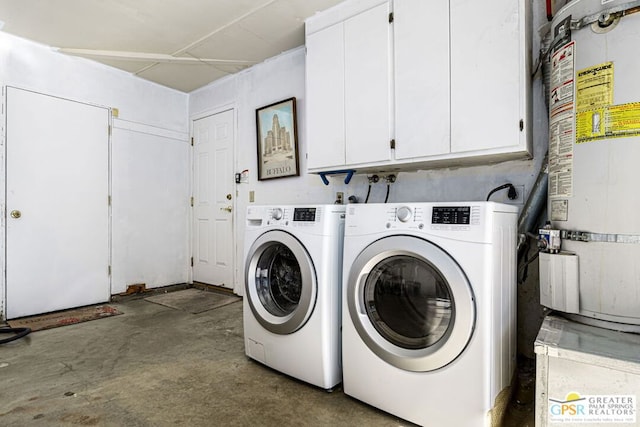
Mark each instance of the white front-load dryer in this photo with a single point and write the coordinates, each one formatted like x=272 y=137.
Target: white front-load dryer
x=429 y=314
x=293 y=276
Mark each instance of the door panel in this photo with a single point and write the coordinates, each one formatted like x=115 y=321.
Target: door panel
x=58 y=178
x=213 y=242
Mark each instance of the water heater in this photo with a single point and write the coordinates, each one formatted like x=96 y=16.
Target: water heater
x=594 y=164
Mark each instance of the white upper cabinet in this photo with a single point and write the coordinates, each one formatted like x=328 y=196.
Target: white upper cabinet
x=411 y=84
x=349 y=86
x=325 y=87
x=489 y=78
x=421 y=32
x=367 y=84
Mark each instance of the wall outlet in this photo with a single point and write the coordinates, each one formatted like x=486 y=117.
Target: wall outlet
x=339 y=197
x=503 y=197
x=252 y=196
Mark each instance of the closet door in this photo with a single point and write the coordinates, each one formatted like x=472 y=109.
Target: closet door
x=57 y=207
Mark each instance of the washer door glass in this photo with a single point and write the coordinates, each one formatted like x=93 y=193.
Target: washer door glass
x=280 y=282
x=410 y=303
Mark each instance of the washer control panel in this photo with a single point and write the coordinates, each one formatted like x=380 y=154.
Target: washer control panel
x=292 y=216
x=304 y=214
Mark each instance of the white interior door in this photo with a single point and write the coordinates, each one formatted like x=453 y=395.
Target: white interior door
x=57 y=215
x=213 y=242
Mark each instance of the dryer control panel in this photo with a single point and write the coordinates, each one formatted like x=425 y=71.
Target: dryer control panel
x=469 y=221
x=451 y=215
x=441 y=217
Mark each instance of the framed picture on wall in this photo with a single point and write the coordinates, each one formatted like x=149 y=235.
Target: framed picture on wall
x=277 y=140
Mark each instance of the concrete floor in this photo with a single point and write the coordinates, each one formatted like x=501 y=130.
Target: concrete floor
x=158 y=366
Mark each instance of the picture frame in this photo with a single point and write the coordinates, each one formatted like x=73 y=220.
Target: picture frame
x=277 y=140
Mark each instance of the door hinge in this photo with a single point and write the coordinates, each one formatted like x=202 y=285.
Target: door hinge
x=109 y=270
x=191 y=261
x=192 y=141
x=392 y=144
x=191 y=201
x=108 y=200
x=521 y=125
x=109 y=130
x=390 y=17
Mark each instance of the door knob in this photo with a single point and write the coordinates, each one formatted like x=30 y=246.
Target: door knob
x=16 y=214
x=228 y=209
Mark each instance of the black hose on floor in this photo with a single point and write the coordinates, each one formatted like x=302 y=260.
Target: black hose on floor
x=18 y=333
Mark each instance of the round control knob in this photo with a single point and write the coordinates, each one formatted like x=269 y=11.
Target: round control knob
x=403 y=213
x=276 y=214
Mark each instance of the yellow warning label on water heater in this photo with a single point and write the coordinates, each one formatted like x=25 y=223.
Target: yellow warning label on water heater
x=594 y=86
x=615 y=121
x=590 y=125
x=624 y=118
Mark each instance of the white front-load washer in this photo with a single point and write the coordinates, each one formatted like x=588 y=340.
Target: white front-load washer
x=429 y=313
x=293 y=276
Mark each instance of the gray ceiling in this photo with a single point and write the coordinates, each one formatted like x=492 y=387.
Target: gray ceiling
x=183 y=44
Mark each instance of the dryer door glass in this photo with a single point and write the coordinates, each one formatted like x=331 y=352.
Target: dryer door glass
x=278 y=280
x=408 y=302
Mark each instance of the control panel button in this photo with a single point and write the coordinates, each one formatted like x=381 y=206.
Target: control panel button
x=276 y=214
x=404 y=213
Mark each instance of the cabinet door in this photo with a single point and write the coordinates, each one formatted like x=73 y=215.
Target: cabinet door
x=368 y=86
x=487 y=63
x=325 y=98
x=421 y=41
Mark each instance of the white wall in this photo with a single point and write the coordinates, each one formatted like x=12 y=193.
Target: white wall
x=150 y=207
x=150 y=158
